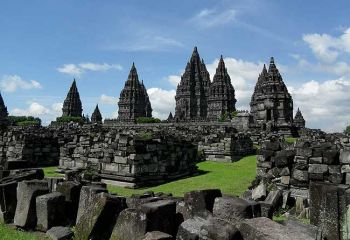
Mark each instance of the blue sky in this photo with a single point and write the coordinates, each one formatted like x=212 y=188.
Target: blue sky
x=45 y=44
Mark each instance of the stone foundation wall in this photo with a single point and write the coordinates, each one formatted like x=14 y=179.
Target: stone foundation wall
x=293 y=166
x=28 y=147
x=226 y=149
x=130 y=157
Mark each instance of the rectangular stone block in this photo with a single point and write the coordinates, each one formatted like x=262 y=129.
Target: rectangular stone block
x=344 y=156
x=318 y=168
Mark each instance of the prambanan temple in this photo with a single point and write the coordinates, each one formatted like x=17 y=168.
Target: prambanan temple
x=198 y=99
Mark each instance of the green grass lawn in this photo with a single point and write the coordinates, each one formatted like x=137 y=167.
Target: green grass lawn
x=231 y=178
x=291 y=139
x=51 y=172
x=9 y=233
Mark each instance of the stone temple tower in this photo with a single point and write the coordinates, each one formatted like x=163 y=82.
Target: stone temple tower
x=72 y=106
x=96 y=116
x=299 y=120
x=193 y=91
x=3 y=112
x=221 y=93
x=271 y=101
x=134 y=101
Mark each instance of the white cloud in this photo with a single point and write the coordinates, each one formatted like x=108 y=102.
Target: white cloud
x=212 y=17
x=46 y=113
x=243 y=74
x=326 y=47
x=35 y=109
x=78 y=69
x=104 y=99
x=324 y=105
x=150 y=42
x=174 y=79
x=162 y=101
x=10 y=83
x=70 y=69
x=100 y=67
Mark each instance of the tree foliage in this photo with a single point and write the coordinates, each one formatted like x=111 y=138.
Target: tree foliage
x=347 y=130
x=147 y=120
x=24 y=121
x=67 y=119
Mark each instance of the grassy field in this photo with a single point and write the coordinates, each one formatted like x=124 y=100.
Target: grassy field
x=9 y=233
x=231 y=178
x=51 y=172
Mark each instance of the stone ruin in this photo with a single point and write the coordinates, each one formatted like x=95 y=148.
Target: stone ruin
x=314 y=173
x=54 y=205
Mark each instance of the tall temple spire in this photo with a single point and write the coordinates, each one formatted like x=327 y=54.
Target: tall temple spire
x=134 y=101
x=3 y=112
x=96 y=116
x=72 y=106
x=192 y=91
x=271 y=101
x=221 y=98
x=299 y=120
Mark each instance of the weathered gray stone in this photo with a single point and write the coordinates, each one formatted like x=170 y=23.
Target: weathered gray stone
x=344 y=157
x=234 y=209
x=60 y=233
x=50 y=210
x=156 y=235
x=161 y=216
x=272 y=202
x=301 y=176
x=27 y=191
x=131 y=224
x=266 y=229
x=259 y=193
x=318 y=168
x=100 y=216
x=218 y=229
x=190 y=229
x=201 y=200
x=86 y=198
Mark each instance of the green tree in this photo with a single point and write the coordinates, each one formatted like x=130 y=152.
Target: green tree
x=347 y=130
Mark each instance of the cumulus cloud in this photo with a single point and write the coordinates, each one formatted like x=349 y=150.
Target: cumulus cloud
x=70 y=69
x=213 y=17
x=104 y=99
x=10 y=83
x=162 y=101
x=326 y=47
x=325 y=104
x=45 y=112
x=78 y=69
x=174 y=79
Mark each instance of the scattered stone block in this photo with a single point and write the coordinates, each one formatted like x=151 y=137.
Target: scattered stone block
x=99 y=217
x=156 y=235
x=60 y=233
x=50 y=211
x=86 y=198
x=266 y=229
x=71 y=192
x=190 y=229
x=259 y=193
x=201 y=200
x=161 y=216
x=235 y=209
x=27 y=191
x=131 y=224
x=272 y=202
